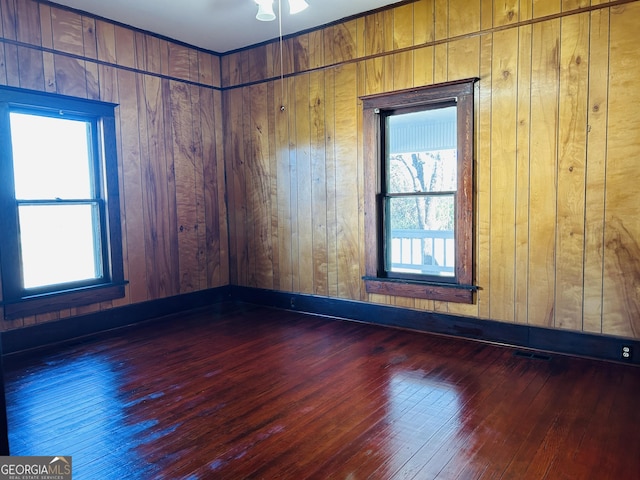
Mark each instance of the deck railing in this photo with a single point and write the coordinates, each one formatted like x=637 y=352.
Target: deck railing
x=429 y=252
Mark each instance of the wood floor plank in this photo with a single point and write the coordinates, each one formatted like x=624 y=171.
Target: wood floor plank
x=247 y=392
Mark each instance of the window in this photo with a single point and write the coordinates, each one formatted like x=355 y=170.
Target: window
x=60 y=242
x=419 y=192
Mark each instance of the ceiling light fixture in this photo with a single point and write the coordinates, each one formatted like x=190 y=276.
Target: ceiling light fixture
x=296 y=6
x=266 y=13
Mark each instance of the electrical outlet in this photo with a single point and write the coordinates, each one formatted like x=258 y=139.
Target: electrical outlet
x=626 y=352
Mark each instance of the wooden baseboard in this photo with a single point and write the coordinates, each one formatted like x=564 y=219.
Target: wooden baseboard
x=602 y=347
x=67 y=329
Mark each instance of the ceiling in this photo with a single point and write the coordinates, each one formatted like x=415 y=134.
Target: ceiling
x=219 y=25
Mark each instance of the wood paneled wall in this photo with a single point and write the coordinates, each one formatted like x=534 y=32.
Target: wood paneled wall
x=169 y=127
x=557 y=148
x=557 y=142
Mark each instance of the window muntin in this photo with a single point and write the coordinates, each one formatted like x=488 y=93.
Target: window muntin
x=59 y=203
x=406 y=134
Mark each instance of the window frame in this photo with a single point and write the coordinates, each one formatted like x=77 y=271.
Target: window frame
x=17 y=301
x=459 y=288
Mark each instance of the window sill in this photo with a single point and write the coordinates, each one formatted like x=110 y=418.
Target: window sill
x=60 y=300
x=424 y=290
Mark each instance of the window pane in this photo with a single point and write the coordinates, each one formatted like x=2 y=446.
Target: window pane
x=421 y=235
x=60 y=243
x=422 y=151
x=51 y=157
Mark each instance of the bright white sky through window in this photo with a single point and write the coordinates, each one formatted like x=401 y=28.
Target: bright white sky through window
x=51 y=161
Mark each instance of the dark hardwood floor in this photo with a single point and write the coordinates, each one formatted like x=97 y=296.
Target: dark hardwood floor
x=256 y=393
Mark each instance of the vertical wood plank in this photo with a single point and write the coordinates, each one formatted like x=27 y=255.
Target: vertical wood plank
x=151 y=54
x=11 y=65
x=374 y=72
x=273 y=185
x=572 y=138
x=361 y=180
x=423 y=21
x=621 y=309
x=70 y=76
x=294 y=240
x=403 y=26
x=106 y=41
x=441 y=66
x=257 y=58
x=3 y=66
x=194 y=73
x=285 y=211
x=185 y=178
x=568 y=5
x=595 y=172
x=222 y=278
x=67 y=31
x=133 y=219
x=92 y=81
x=147 y=190
x=340 y=43
x=49 y=72
x=179 y=64
x=522 y=175
x=211 y=206
x=225 y=71
x=331 y=181
x=300 y=44
x=28 y=23
x=441 y=14
x=244 y=64
x=316 y=48
x=503 y=174
x=172 y=212
x=302 y=135
x=506 y=12
x=46 y=29
x=199 y=192
x=125 y=47
x=402 y=70
x=161 y=262
x=543 y=8
x=259 y=188
x=374 y=33
x=486 y=14
x=89 y=41
x=142 y=59
x=483 y=177
x=287 y=57
x=231 y=148
x=464 y=17
x=463 y=58
x=423 y=66
x=361 y=36
x=217 y=72
x=543 y=174
x=109 y=92
x=31 y=67
x=346 y=171
x=9 y=19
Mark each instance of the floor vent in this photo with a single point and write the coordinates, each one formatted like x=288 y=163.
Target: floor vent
x=535 y=356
